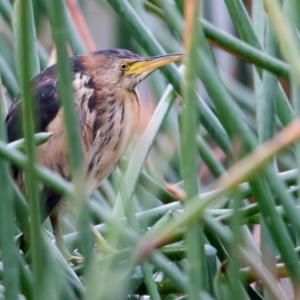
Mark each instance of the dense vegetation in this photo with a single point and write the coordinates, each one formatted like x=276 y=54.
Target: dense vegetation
x=205 y=205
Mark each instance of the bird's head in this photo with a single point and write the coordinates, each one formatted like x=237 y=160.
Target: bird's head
x=124 y=69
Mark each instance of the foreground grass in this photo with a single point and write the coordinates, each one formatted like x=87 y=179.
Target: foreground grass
x=178 y=234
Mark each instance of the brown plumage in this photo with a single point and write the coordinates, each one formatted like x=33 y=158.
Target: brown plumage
x=107 y=105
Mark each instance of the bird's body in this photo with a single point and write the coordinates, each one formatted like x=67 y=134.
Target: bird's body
x=106 y=126
x=107 y=105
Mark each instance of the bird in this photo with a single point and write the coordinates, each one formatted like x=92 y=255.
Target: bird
x=107 y=106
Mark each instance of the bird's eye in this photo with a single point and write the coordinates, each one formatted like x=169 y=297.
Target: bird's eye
x=124 y=66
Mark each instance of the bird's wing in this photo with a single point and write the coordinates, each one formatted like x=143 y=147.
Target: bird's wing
x=46 y=105
x=53 y=154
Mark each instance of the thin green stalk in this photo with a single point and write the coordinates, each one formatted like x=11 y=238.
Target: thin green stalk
x=249 y=241
x=269 y=282
x=266 y=127
x=27 y=59
x=289 y=47
x=39 y=139
x=66 y=92
x=243 y=96
x=197 y=268
x=59 y=277
x=242 y=23
x=295 y=8
x=172 y=271
x=222 y=288
x=51 y=179
x=266 y=104
x=43 y=56
x=8 y=78
x=259 y=28
x=245 y=50
x=285 y=198
x=291 y=10
x=128 y=208
x=164 y=287
x=225 y=215
x=57 y=9
x=21 y=208
x=207 y=155
x=296 y=106
x=226 y=116
x=3 y=103
x=233 y=268
x=285 y=36
x=155 y=188
x=71 y=32
x=6 y=10
x=8 y=253
x=25 y=279
x=149 y=281
x=154 y=9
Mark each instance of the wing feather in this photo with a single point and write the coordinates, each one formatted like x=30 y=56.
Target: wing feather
x=49 y=114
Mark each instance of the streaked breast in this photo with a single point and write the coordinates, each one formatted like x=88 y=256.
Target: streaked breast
x=112 y=137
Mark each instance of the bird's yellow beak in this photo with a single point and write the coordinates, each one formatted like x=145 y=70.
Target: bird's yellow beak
x=152 y=63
